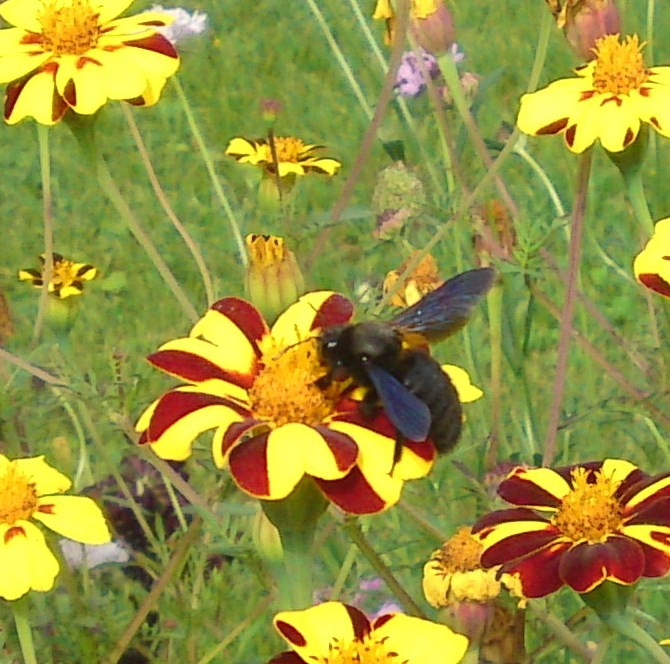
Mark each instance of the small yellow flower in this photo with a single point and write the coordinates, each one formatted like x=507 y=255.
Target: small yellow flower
x=422 y=280
x=75 y=54
x=67 y=277
x=608 y=100
x=283 y=155
x=29 y=491
x=652 y=264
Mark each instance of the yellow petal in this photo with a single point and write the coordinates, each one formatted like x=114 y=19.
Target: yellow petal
x=26 y=560
x=35 y=100
x=318 y=627
x=295 y=324
x=110 y=9
x=75 y=517
x=23 y=14
x=47 y=480
x=417 y=641
x=460 y=378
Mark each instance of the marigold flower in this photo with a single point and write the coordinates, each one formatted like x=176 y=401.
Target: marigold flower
x=75 y=54
x=608 y=100
x=652 y=264
x=67 y=278
x=292 y=156
x=256 y=387
x=609 y=522
x=29 y=491
x=336 y=632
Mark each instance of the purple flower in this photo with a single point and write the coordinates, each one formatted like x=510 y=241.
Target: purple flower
x=409 y=77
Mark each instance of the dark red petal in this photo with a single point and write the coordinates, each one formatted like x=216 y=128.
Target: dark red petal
x=656 y=563
x=287 y=658
x=196 y=369
x=586 y=565
x=518 y=546
x=519 y=490
x=248 y=464
x=335 y=310
x=245 y=316
x=660 y=495
x=352 y=494
x=651 y=512
x=156 y=43
x=175 y=405
x=343 y=448
x=504 y=516
x=652 y=281
x=424 y=449
x=291 y=634
x=359 y=621
x=636 y=481
x=236 y=430
x=538 y=572
x=349 y=410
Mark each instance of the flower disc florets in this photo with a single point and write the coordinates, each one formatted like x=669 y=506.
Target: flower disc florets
x=69 y=27
x=619 y=66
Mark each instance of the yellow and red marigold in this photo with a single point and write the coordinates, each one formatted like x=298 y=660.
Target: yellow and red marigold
x=652 y=264
x=256 y=386
x=606 y=521
x=76 y=54
x=336 y=632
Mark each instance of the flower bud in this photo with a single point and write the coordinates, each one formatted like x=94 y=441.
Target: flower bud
x=273 y=280
x=435 y=31
x=586 y=21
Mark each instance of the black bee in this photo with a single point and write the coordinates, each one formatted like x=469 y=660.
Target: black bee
x=391 y=358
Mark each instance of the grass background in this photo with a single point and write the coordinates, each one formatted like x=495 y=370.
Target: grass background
x=275 y=49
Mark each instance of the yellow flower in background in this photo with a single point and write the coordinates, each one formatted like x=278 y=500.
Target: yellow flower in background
x=608 y=100
x=75 y=54
x=336 y=632
x=423 y=279
x=67 y=278
x=652 y=264
x=291 y=156
x=29 y=491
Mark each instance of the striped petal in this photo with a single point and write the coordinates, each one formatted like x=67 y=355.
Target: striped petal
x=534 y=487
x=538 y=573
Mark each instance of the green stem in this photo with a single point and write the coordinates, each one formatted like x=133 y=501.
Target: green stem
x=540 y=51
x=576 y=234
x=638 y=199
x=83 y=128
x=495 y=308
x=24 y=630
x=47 y=214
x=209 y=165
x=165 y=204
x=622 y=624
x=296 y=518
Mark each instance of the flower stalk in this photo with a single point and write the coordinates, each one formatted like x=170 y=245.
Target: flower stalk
x=24 y=630
x=83 y=128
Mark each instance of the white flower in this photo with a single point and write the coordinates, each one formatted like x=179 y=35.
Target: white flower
x=186 y=24
x=89 y=556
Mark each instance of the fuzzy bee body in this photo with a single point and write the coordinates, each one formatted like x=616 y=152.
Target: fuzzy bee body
x=416 y=394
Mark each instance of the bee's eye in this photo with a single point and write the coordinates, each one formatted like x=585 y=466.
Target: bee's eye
x=365 y=357
x=331 y=344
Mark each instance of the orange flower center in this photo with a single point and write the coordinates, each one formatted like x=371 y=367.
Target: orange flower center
x=619 y=67
x=64 y=273
x=461 y=552
x=590 y=511
x=288 y=149
x=285 y=391
x=368 y=650
x=18 y=498
x=69 y=27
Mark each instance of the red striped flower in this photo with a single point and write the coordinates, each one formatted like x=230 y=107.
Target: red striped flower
x=336 y=632
x=606 y=521
x=652 y=264
x=257 y=388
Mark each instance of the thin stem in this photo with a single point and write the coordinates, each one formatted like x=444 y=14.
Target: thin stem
x=296 y=583
x=622 y=624
x=356 y=535
x=341 y=60
x=24 y=630
x=36 y=371
x=495 y=309
x=165 y=204
x=47 y=215
x=638 y=199
x=562 y=632
x=565 y=336
x=540 y=51
x=209 y=165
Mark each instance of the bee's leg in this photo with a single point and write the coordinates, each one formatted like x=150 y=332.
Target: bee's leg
x=397 y=450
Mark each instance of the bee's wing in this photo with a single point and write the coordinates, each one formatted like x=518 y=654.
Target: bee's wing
x=446 y=309
x=408 y=414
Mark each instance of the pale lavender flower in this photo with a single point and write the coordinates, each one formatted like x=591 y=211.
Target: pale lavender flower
x=409 y=77
x=186 y=24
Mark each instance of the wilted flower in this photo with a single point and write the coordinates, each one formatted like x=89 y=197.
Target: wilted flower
x=608 y=100
x=293 y=157
x=67 y=278
x=609 y=521
x=652 y=264
x=75 y=54
x=257 y=388
x=422 y=280
x=336 y=632
x=185 y=24
x=29 y=491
